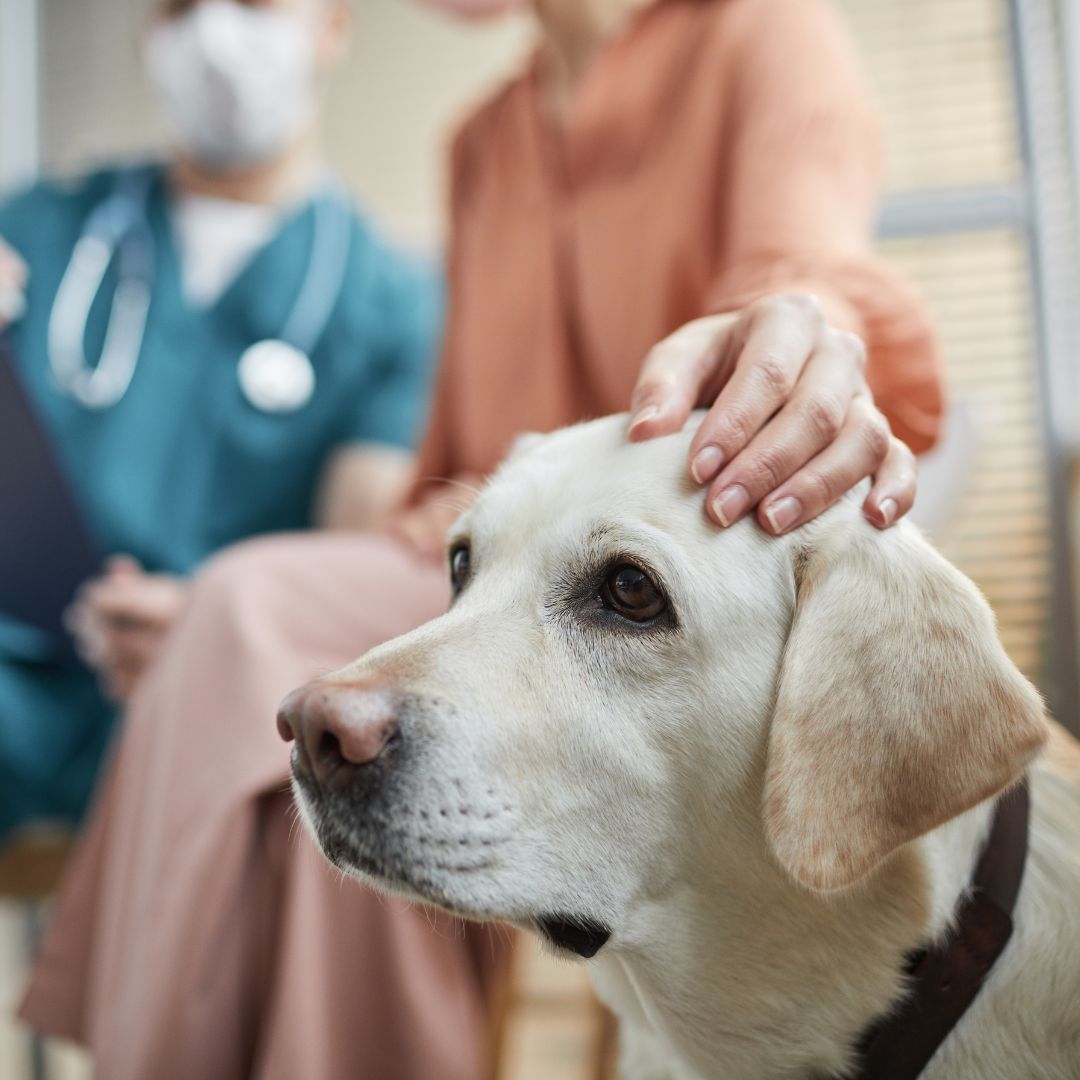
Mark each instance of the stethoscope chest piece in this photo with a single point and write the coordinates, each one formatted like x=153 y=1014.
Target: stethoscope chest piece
x=276 y=377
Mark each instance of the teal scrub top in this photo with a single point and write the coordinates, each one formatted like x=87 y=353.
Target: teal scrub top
x=184 y=464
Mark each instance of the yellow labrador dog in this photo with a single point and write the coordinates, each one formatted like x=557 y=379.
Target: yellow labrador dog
x=753 y=779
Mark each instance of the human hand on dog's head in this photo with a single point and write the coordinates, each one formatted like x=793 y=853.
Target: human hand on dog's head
x=791 y=425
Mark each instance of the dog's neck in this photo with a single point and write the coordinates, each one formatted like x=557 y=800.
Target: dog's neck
x=707 y=972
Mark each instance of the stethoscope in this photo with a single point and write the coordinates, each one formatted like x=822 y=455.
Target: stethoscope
x=275 y=375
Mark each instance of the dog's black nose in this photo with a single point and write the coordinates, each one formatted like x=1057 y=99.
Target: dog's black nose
x=339 y=728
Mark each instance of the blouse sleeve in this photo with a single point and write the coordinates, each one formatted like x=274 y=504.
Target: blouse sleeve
x=799 y=200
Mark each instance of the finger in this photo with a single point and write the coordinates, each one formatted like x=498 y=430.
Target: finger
x=113 y=601
x=88 y=598
x=781 y=340
x=414 y=531
x=156 y=599
x=425 y=544
x=87 y=634
x=431 y=543
x=856 y=454
x=91 y=653
x=118 y=684
x=403 y=529
x=125 y=668
x=114 y=690
x=810 y=421
x=895 y=483
x=126 y=658
x=13 y=276
x=131 y=643
x=137 y=599
x=76 y=616
x=675 y=373
x=433 y=525
x=122 y=564
x=394 y=529
x=13 y=269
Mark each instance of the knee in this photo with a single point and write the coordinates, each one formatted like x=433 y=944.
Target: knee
x=239 y=586
x=241 y=565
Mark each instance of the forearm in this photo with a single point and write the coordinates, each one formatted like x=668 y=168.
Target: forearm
x=363 y=486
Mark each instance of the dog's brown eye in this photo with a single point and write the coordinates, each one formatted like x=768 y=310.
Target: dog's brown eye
x=633 y=594
x=460 y=564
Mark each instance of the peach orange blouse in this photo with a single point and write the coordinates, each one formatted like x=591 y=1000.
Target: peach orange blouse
x=718 y=150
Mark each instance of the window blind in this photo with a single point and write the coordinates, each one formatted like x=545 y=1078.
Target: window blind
x=946 y=78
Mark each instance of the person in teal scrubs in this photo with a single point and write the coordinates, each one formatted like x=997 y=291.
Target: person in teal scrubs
x=244 y=241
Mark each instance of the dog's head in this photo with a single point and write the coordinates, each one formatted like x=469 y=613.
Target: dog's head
x=620 y=691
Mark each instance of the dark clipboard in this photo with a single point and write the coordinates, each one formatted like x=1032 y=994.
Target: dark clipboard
x=46 y=549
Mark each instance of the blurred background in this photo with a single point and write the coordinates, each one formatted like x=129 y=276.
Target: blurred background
x=981 y=100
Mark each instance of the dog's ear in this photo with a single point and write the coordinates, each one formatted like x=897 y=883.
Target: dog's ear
x=897 y=708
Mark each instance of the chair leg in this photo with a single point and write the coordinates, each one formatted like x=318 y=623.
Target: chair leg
x=501 y=1008
x=606 y=1044
x=39 y=1066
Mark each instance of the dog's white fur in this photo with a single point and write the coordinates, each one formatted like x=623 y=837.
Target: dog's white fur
x=768 y=805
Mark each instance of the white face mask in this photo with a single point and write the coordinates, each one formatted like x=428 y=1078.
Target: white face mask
x=236 y=84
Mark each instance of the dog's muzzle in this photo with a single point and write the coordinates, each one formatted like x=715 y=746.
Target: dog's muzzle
x=344 y=733
x=357 y=756
x=351 y=764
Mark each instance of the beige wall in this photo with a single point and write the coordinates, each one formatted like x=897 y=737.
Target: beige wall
x=411 y=74
x=939 y=68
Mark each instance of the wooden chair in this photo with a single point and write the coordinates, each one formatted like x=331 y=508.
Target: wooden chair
x=31 y=865
x=549 y=1023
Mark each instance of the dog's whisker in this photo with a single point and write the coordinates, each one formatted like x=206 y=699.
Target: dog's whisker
x=295 y=824
x=445 y=482
x=451 y=504
x=429 y=917
x=472 y=489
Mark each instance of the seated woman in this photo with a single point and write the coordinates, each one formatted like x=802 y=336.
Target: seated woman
x=243 y=404
x=655 y=162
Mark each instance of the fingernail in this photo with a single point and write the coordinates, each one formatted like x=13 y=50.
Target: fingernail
x=887 y=509
x=12 y=303
x=783 y=513
x=643 y=416
x=706 y=464
x=730 y=504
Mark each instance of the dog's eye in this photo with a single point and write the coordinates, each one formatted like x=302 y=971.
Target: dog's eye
x=631 y=593
x=460 y=564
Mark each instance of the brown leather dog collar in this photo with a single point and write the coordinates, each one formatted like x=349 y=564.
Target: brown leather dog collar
x=946 y=978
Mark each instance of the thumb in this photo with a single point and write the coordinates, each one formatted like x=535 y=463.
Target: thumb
x=13 y=269
x=674 y=374
x=13 y=275
x=121 y=565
